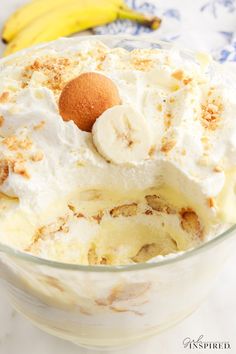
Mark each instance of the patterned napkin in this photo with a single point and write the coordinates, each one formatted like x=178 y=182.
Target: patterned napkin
x=203 y=25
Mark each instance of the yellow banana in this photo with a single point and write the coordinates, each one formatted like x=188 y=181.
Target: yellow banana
x=75 y=16
x=28 y=13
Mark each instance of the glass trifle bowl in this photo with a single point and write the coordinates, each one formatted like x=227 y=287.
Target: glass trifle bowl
x=111 y=306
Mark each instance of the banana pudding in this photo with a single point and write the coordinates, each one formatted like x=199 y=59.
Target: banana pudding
x=111 y=156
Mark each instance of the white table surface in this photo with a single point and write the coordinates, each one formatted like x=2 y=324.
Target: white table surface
x=215 y=319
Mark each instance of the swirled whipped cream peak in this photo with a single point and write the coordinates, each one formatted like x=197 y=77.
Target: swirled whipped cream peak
x=114 y=156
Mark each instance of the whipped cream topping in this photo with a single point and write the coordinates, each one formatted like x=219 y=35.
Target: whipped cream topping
x=189 y=112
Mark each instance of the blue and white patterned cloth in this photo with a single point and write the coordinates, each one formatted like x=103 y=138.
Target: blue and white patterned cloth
x=203 y=25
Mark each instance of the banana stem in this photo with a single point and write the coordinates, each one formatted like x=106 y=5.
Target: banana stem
x=125 y=13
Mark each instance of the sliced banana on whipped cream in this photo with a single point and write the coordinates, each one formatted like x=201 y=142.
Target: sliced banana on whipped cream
x=121 y=135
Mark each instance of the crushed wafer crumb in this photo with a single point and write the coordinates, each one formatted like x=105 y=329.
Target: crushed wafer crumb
x=178 y=75
x=13 y=143
x=20 y=157
x=1 y=120
x=152 y=150
x=167 y=119
x=211 y=113
x=19 y=169
x=187 y=81
x=101 y=60
x=218 y=169
x=75 y=212
x=79 y=215
x=4 y=97
x=167 y=145
x=159 y=204
x=124 y=210
x=92 y=256
x=190 y=222
x=148 y=212
x=142 y=64
x=98 y=217
x=146 y=252
x=40 y=125
x=211 y=90
x=52 y=67
x=105 y=260
x=211 y=202
x=52 y=228
x=38 y=156
x=72 y=208
x=4 y=170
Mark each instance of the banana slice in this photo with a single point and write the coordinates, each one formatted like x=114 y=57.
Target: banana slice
x=121 y=135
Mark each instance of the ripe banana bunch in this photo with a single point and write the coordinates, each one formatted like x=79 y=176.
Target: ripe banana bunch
x=45 y=20
x=121 y=135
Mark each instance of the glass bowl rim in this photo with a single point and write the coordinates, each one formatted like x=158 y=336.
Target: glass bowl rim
x=163 y=260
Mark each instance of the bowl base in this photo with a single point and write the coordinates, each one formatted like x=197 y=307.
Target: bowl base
x=112 y=344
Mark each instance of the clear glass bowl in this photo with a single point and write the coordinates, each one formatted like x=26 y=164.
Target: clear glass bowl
x=105 y=307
